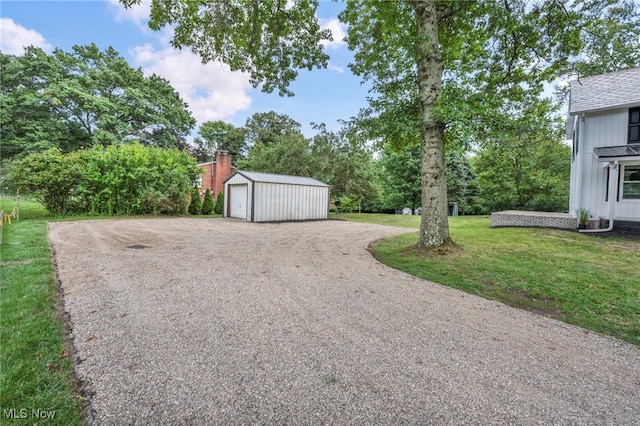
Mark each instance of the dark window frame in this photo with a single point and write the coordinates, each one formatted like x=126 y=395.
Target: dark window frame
x=634 y=125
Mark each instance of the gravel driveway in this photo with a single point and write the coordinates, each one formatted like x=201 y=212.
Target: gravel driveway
x=218 y=321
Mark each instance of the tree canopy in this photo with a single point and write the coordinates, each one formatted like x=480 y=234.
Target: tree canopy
x=400 y=181
x=73 y=100
x=400 y=176
x=525 y=166
x=343 y=164
x=611 y=42
x=270 y=40
x=278 y=146
x=266 y=127
x=216 y=136
x=455 y=70
x=287 y=155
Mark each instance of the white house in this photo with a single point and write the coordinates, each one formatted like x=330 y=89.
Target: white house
x=604 y=127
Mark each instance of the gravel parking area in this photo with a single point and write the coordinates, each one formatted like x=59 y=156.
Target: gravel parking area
x=219 y=321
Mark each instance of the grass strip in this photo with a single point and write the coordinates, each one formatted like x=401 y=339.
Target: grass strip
x=37 y=384
x=586 y=280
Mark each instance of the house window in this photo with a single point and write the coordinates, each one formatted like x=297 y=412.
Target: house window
x=197 y=183
x=631 y=182
x=634 y=125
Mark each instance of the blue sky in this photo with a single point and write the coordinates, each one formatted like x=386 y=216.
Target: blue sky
x=212 y=91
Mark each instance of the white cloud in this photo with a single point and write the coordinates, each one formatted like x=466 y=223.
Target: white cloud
x=212 y=91
x=338 y=31
x=14 y=38
x=138 y=13
x=335 y=68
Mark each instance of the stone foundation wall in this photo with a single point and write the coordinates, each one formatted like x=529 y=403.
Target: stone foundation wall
x=536 y=220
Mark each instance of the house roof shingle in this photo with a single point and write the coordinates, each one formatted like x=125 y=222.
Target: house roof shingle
x=606 y=91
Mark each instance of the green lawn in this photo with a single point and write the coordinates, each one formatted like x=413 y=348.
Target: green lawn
x=37 y=372
x=589 y=281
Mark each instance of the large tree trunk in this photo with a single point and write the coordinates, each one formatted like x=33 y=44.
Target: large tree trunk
x=434 y=227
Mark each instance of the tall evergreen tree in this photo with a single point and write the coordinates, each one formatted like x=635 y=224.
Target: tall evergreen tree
x=219 y=206
x=207 y=203
x=195 y=206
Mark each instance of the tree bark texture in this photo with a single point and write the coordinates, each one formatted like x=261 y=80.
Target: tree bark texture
x=434 y=226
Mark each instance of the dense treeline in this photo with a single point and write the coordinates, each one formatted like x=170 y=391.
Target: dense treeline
x=523 y=166
x=75 y=126
x=526 y=172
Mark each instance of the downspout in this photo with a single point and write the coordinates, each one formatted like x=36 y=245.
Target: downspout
x=578 y=153
x=613 y=186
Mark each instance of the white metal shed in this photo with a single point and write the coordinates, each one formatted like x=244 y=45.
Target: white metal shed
x=265 y=197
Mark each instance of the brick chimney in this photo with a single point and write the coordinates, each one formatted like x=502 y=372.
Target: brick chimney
x=222 y=171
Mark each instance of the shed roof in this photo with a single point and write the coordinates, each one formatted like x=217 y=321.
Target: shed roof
x=605 y=91
x=272 y=178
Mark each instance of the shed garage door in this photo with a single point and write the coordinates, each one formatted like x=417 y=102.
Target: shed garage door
x=238 y=201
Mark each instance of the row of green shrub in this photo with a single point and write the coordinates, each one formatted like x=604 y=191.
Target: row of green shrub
x=206 y=206
x=127 y=179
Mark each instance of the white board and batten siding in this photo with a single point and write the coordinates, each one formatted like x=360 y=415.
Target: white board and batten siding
x=601 y=129
x=264 y=197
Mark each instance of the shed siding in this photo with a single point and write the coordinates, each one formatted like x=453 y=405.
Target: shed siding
x=284 y=202
x=237 y=179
